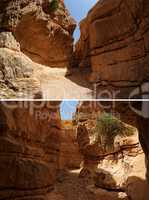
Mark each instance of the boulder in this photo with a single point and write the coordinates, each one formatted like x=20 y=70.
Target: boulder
x=106 y=195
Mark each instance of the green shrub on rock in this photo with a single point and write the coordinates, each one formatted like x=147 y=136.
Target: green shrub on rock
x=108 y=127
x=54 y=5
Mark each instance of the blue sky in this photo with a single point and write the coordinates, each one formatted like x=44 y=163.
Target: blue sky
x=67 y=109
x=79 y=9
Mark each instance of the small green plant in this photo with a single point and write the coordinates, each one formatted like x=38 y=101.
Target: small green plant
x=108 y=127
x=54 y=5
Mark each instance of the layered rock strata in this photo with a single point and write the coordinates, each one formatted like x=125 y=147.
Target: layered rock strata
x=111 y=170
x=137 y=114
x=123 y=170
x=114 y=43
x=29 y=149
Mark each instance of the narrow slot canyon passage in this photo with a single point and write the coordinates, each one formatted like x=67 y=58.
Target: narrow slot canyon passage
x=89 y=173
x=68 y=183
x=40 y=51
x=70 y=150
x=73 y=79
x=73 y=50
x=58 y=141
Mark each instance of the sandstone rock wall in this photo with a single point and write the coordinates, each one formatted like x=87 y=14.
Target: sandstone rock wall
x=113 y=172
x=87 y=110
x=114 y=42
x=16 y=70
x=70 y=157
x=32 y=34
x=29 y=149
x=136 y=114
x=44 y=35
x=118 y=173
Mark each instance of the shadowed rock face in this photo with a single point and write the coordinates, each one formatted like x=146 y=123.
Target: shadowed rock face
x=114 y=42
x=144 y=138
x=44 y=35
x=29 y=149
x=70 y=157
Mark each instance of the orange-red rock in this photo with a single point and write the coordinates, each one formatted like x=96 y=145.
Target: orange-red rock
x=29 y=149
x=70 y=157
x=114 y=42
x=44 y=35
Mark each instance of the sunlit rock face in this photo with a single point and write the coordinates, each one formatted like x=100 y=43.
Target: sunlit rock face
x=114 y=42
x=16 y=70
x=32 y=34
x=116 y=172
x=45 y=35
x=137 y=113
x=29 y=149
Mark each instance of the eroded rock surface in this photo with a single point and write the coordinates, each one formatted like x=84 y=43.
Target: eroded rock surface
x=16 y=70
x=137 y=114
x=113 y=50
x=29 y=149
x=32 y=33
x=37 y=155
x=114 y=43
x=45 y=35
x=117 y=172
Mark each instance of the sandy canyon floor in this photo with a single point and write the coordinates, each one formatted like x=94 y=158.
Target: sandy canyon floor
x=56 y=85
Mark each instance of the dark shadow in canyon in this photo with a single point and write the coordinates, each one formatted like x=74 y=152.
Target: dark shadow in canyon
x=79 y=76
x=137 y=188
